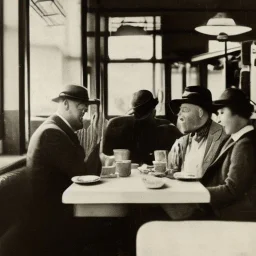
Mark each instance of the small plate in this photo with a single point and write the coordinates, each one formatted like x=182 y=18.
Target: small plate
x=185 y=176
x=86 y=179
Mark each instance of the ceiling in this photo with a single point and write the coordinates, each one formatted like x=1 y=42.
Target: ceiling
x=180 y=17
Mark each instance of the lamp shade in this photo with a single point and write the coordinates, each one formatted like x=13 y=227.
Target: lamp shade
x=222 y=23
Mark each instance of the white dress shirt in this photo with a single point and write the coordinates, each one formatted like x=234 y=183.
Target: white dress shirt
x=194 y=157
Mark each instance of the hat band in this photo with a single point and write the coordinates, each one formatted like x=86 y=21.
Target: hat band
x=63 y=94
x=144 y=109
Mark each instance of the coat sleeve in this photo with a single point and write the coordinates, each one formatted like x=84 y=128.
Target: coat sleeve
x=239 y=172
x=109 y=139
x=174 y=161
x=62 y=154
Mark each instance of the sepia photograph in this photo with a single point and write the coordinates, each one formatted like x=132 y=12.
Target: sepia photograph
x=127 y=128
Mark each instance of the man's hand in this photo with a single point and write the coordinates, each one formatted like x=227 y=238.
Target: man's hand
x=174 y=157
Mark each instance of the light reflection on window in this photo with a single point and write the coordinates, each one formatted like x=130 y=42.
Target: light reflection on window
x=123 y=47
x=126 y=78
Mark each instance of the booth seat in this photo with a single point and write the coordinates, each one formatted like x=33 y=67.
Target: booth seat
x=14 y=197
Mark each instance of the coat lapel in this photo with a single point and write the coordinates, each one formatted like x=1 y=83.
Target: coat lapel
x=214 y=141
x=228 y=145
x=64 y=127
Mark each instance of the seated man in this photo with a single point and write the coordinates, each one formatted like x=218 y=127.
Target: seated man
x=54 y=156
x=141 y=133
x=199 y=147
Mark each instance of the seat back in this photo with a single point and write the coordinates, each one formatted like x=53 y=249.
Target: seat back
x=210 y=238
x=14 y=195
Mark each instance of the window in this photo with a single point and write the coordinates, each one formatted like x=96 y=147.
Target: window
x=55 y=53
x=133 y=64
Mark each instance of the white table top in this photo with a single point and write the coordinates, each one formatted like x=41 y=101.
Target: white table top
x=131 y=190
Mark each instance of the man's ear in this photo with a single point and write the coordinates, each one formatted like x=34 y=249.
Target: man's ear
x=201 y=112
x=66 y=104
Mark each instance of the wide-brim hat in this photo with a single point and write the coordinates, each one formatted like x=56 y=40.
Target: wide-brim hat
x=143 y=103
x=232 y=97
x=77 y=93
x=196 y=95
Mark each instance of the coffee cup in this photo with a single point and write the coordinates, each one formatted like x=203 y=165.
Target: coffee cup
x=121 y=154
x=159 y=166
x=160 y=155
x=123 y=168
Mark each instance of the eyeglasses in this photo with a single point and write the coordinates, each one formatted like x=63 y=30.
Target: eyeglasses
x=184 y=110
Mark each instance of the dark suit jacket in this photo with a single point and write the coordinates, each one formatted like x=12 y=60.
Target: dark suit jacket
x=140 y=137
x=231 y=179
x=54 y=156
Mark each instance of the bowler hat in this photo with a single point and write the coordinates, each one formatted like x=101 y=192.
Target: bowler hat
x=233 y=97
x=196 y=95
x=143 y=103
x=75 y=92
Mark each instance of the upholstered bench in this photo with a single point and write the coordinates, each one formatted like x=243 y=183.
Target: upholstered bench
x=14 y=196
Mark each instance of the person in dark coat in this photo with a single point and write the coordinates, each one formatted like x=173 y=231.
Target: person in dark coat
x=142 y=132
x=54 y=156
x=231 y=178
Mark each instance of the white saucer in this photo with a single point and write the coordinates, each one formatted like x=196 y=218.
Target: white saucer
x=185 y=176
x=86 y=179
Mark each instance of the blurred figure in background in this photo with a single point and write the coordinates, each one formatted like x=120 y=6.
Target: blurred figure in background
x=142 y=132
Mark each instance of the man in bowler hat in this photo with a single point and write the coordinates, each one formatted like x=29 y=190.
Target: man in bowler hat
x=54 y=156
x=192 y=154
x=141 y=132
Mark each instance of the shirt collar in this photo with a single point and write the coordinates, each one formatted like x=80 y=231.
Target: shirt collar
x=64 y=120
x=236 y=136
x=203 y=131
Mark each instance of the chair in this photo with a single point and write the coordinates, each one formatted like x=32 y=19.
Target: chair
x=206 y=238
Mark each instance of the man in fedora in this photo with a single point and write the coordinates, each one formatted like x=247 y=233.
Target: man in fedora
x=141 y=132
x=54 y=156
x=192 y=154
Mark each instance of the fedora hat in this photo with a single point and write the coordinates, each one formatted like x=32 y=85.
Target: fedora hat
x=231 y=96
x=76 y=92
x=235 y=98
x=143 y=103
x=196 y=95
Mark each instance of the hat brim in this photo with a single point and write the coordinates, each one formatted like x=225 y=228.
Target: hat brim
x=175 y=105
x=132 y=111
x=89 y=101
